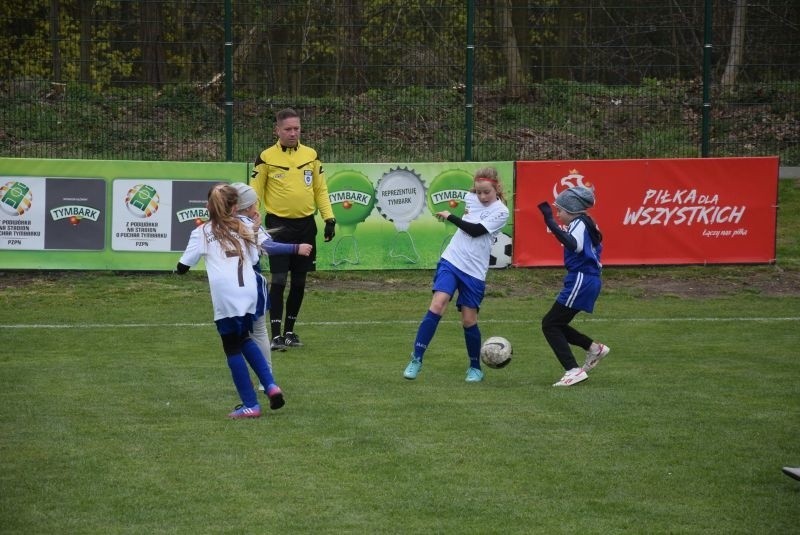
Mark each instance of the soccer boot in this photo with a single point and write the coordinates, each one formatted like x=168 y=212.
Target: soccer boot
x=474 y=375
x=241 y=412
x=291 y=339
x=413 y=368
x=278 y=344
x=275 y=395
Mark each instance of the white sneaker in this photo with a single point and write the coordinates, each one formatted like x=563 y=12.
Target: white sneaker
x=572 y=377
x=593 y=357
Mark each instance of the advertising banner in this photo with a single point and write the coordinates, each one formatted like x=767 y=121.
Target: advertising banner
x=385 y=213
x=126 y=215
x=100 y=214
x=661 y=211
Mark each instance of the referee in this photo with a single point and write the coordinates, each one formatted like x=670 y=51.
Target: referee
x=290 y=183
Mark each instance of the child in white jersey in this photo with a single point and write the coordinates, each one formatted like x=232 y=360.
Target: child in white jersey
x=248 y=212
x=463 y=267
x=230 y=248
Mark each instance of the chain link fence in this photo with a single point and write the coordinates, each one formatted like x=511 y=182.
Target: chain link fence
x=381 y=81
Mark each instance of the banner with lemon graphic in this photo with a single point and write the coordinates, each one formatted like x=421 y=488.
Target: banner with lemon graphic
x=132 y=215
x=384 y=213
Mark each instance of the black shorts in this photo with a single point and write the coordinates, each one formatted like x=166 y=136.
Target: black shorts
x=291 y=230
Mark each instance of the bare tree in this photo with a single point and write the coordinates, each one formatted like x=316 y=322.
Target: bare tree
x=349 y=59
x=559 y=55
x=505 y=27
x=85 y=15
x=55 y=29
x=152 y=36
x=278 y=37
x=241 y=57
x=736 y=53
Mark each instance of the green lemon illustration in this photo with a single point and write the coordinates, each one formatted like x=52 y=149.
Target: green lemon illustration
x=352 y=198
x=447 y=191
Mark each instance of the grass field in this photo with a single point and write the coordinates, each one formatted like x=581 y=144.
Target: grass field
x=114 y=390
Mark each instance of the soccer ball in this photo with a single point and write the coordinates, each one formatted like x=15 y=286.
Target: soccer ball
x=500 y=255
x=496 y=352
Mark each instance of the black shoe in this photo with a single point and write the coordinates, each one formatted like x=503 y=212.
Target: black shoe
x=292 y=340
x=278 y=344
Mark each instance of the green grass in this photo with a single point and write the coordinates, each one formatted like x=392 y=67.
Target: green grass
x=114 y=390
x=115 y=429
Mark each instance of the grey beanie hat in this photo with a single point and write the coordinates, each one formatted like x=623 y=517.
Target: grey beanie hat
x=247 y=195
x=576 y=199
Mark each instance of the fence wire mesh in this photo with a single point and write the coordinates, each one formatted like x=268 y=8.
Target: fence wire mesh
x=384 y=81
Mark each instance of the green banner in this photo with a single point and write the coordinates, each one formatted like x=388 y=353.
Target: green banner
x=102 y=214
x=133 y=215
x=384 y=213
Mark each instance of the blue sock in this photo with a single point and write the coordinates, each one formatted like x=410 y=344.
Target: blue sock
x=425 y=332
x=257 y=361
x=241 y=379
x=472 y=336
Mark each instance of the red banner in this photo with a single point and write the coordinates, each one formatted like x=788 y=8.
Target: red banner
x=670 y=211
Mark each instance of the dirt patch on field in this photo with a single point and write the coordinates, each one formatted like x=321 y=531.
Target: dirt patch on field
x=767 y=282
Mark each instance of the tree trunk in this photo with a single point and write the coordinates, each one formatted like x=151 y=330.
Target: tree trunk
x=241 y=56
x=349 y=76
x=736 y=53
x=514 y=74
x=55 y=29
x=559 y=58
x=86 y=60
x=152 y=36
x=278 y=48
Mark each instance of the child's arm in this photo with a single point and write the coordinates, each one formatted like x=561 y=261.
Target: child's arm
x=272 y=248
x=565 y=238
x=473 y=229
x=194 y=250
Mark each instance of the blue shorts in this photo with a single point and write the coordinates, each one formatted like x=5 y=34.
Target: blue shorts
x=262 y=302
x=239 y=325
x=449 y=278
x=580 y=291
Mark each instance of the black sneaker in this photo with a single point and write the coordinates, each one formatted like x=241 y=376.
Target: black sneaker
x=292 y=340
x=278 y=344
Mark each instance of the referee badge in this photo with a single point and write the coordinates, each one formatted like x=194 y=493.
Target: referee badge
x=308 y=177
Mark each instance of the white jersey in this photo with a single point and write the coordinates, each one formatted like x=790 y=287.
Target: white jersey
x=471 y=255
x=261 y=234
x=233 y=285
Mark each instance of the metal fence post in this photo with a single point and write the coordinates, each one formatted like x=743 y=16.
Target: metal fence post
x=705 y=133
x=469 y=82
x=228 y=81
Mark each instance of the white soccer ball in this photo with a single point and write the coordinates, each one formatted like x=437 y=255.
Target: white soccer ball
x=496 y=352
x=500 y=255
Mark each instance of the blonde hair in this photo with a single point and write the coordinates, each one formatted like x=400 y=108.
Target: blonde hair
x=489 y=174
x=226 y=226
